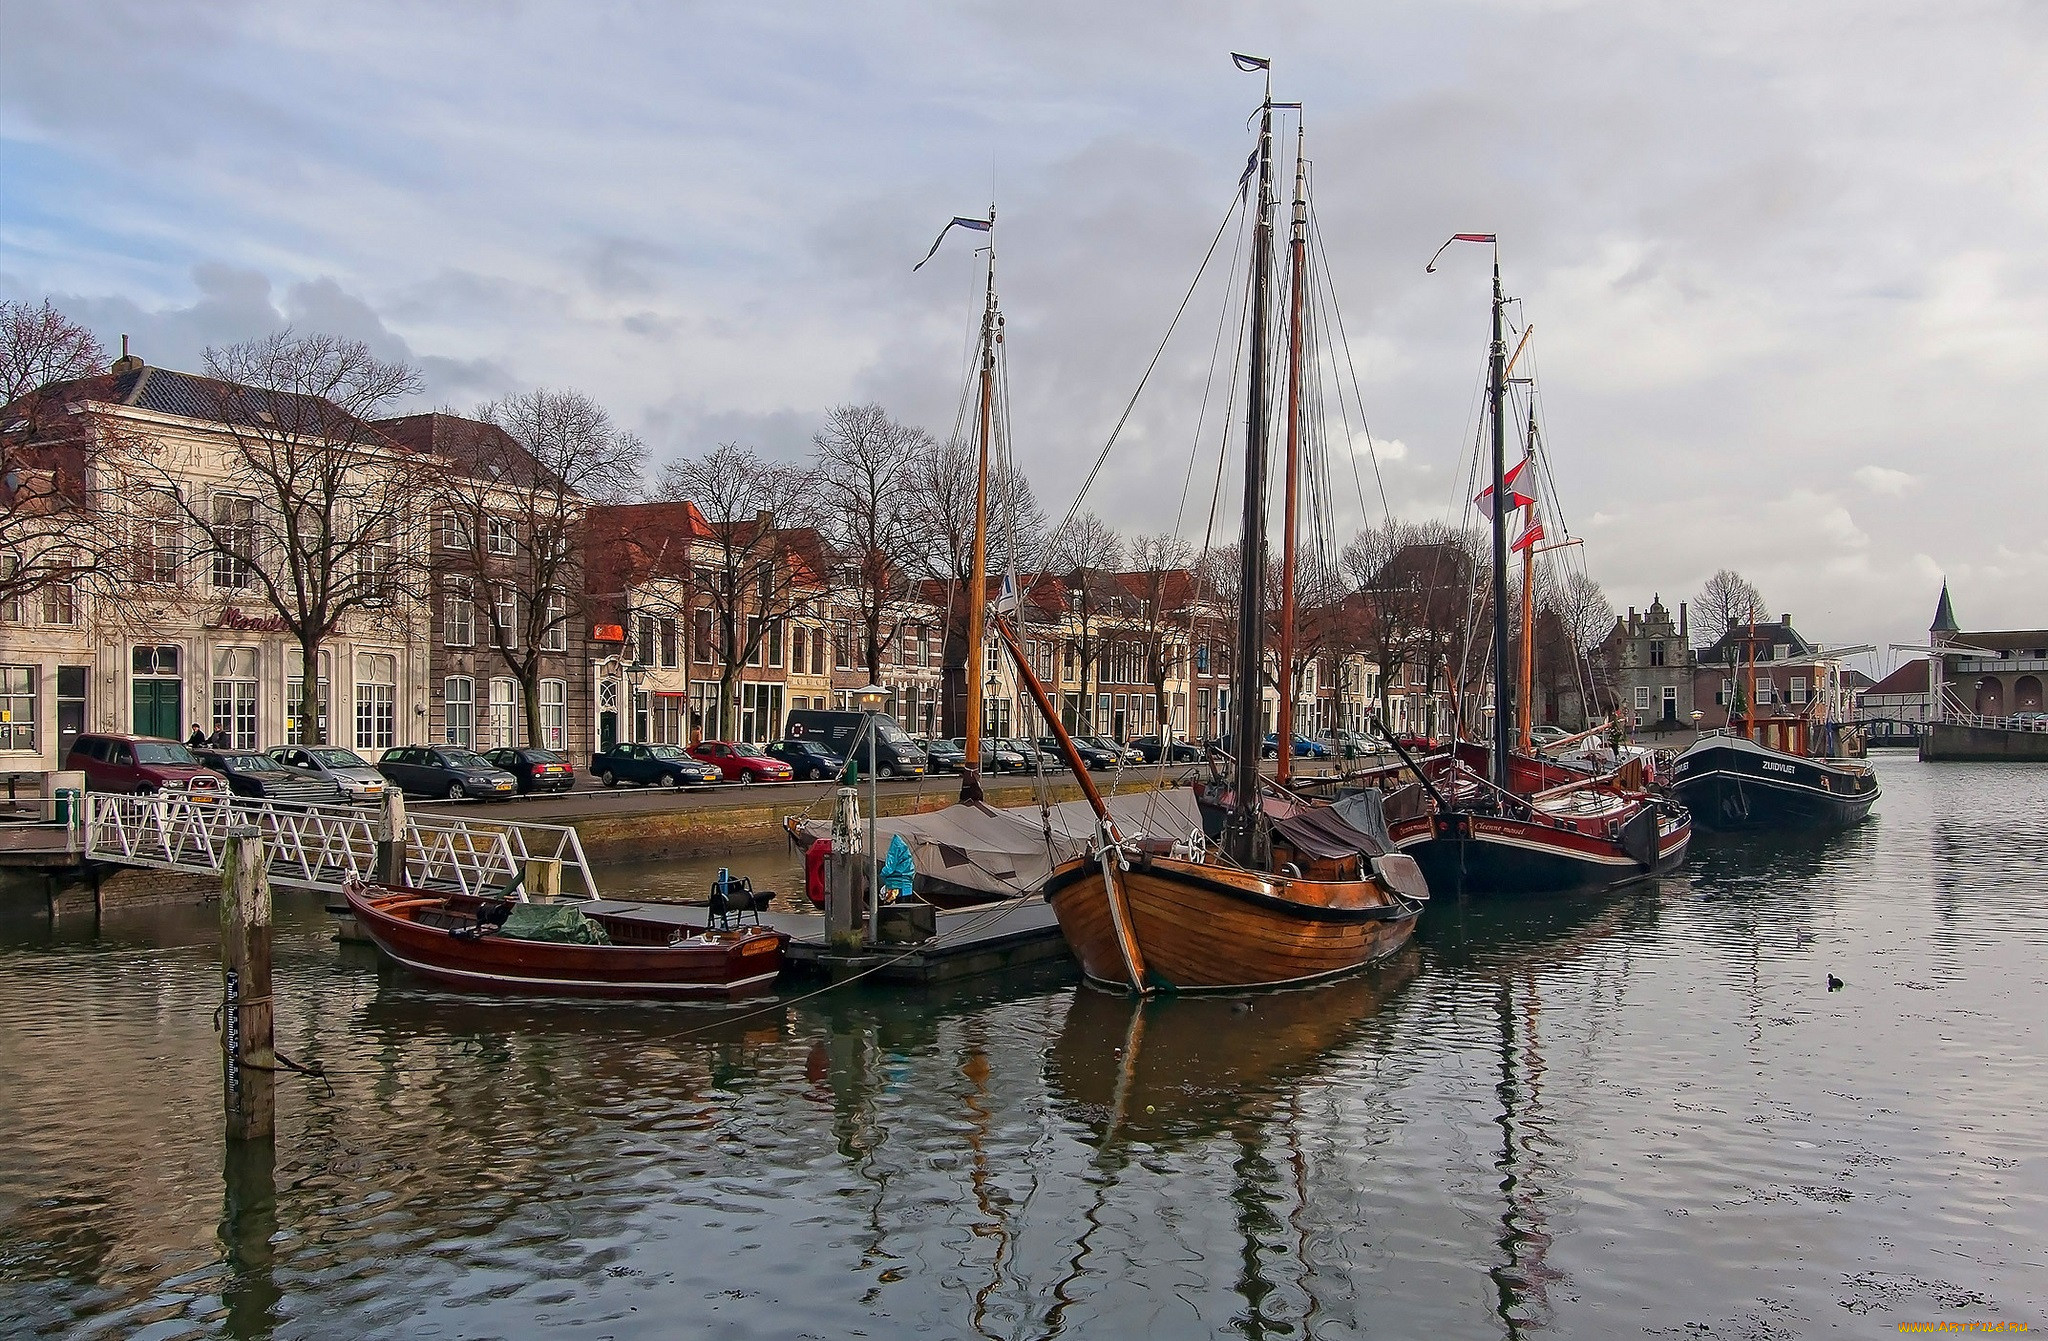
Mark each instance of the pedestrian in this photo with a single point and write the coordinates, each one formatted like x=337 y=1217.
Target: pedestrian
x=197 y=739
x=219 y=739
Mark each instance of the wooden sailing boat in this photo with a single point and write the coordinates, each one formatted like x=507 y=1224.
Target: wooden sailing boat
x=1291 y=893
x=1515 y=823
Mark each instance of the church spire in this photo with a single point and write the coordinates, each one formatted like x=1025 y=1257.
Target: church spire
x=1944 y=615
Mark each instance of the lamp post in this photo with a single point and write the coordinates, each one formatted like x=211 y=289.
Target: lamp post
x=869 y=700
x=1696 y=715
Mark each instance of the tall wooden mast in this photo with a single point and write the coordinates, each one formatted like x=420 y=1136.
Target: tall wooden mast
x=1242 y=840
x=1526 y=681
x=977 y=581
x=1496 y=395
x=1297 y=245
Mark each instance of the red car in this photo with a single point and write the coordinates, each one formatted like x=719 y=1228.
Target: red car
x=739 y=762
x=143 y=765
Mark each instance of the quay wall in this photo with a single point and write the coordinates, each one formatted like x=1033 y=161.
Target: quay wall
x=1947 y=741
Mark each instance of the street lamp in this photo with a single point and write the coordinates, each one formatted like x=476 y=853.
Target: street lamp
x=1696 y=715
x=870 y=700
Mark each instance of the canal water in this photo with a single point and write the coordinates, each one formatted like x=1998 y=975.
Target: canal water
x=1643 y=1115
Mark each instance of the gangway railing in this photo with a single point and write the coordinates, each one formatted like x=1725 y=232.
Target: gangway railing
x=2021 y=722
x=323 y=846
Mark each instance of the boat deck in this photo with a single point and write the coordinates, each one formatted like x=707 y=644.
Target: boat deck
x=987 y=938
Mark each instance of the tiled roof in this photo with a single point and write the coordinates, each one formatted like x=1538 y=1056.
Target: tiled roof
x=1911 y=678
x=1735 y=643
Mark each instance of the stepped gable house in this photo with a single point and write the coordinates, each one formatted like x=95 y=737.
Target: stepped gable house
x=1655 y=668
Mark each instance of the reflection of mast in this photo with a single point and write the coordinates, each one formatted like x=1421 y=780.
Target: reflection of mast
x=1523 y=1278
x=993 y=1223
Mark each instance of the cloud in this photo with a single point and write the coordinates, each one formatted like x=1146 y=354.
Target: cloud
x=1884 y=480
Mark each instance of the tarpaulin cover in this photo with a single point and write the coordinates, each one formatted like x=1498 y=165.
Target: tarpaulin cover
x=897 y=869
x=1006 y=852
x=1321 y=832
x=556 y=922
x=1366 y=812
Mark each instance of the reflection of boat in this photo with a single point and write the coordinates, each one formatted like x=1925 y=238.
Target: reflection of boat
x=1173 y=1066
x=1279 y=899
x=462 y=941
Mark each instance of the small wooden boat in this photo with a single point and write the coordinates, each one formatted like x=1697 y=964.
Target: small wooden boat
x=459 y=941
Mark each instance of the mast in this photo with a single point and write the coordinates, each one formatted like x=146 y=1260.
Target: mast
x=1496 y=394
x=1527 y=680
x=1242 y=837
x=1298 y=247
x=977 y=582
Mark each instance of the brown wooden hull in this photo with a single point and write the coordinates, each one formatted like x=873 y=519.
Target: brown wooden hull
x=1212 y=928
x=421 y=937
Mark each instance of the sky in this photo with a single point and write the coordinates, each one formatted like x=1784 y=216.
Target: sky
x=1784 y=262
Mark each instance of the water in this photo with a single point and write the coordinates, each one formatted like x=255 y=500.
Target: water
x=1639 y=1116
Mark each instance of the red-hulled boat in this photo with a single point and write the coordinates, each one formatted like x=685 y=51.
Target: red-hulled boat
x=459 y=941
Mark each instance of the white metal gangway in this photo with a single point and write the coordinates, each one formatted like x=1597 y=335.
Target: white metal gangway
x=320 y=846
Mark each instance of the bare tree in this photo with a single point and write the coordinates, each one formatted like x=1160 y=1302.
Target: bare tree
x=1573 y=618
x=1418 y=597
x=944 y=482
x=764 y=557
x=316 y=510
x=512 y=503
x=1164 y=583
x=1087 y=555
x=53 y=540
x=1728 y=599
x=867 y=465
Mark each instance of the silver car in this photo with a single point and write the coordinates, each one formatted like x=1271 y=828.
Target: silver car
x=348 y=770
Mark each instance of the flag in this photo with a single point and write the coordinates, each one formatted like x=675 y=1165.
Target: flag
x=1528 y=537
x=1248 y=64
x=1430 y=269
x=1006 y=600
x=1251 y=170
x=978 y=225
x=1518 y=497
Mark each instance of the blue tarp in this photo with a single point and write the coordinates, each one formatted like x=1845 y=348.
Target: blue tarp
x=897 y=869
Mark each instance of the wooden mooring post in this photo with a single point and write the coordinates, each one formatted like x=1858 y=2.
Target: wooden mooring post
x=248 y=1057
x=391 y=838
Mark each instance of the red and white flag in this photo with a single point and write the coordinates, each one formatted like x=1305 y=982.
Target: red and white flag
x=1518 y=497
x=1528 y=537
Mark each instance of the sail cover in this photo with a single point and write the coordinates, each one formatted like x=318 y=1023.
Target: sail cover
x=1007 y=852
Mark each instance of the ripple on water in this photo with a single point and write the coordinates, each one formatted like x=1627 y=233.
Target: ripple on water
x=1643 y=1114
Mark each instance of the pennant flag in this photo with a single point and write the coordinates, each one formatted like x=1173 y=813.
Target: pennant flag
x=1430 y=269
x=1006 y=601
x=1518 y=497
x=1250 y=63
x=1251 y=170
x=978 y=225
x=1528 y=537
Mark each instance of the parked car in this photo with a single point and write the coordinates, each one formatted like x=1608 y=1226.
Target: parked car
x=651 y=766
x=1149 y=749
x=1302 y=747
x=942 y=756
x=1416 y=744
x=343 y=767
x=445 y=770
x=265 y=779
x=996 y=757
x=1269 y=748
x=1117 y=748
x=142 y=765
x=537 y=770
x=1352 y=744
x=1547 y=735
x=808 y=760
x=895 y=753
x=740 y=761
x=1033 y=757
x=1091 y=752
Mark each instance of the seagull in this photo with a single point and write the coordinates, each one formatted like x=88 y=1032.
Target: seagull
x=1834 y=983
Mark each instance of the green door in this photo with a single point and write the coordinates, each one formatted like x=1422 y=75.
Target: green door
x=157 y=708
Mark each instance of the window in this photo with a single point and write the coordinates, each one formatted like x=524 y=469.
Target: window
x=506 y=612
x=818 y=653
x=554 y=636
x=234 y=538
x=1727 y=694
x=456 y=532
x=503 y=535
x=554 y=714
x=10 y=605
x=995 y=660
x=376 y=701
x=60 y=604
x=234 y=695
x=644 y=639
x=158 y=537
x=1798 y=688
x=458 y=694
x=1642 y=698
x=671 y=653
x=754 y=640
x=775 y=642
x=295 y=693
x=458 y=613
x=17 y=707
x=842 y=641
x=702 y=635
x=1763 y=691
x=799 y=636
x=502 y=729
x=374 y=570
x=1657 y=654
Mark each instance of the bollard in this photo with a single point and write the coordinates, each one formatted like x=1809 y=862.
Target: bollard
x=841 y=891
x=543 y=878
x=248 y=1059
x=391 y=838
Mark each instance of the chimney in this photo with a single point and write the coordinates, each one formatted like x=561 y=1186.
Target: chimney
x=1681 y=619
x=1786 y=620
x=127 y=363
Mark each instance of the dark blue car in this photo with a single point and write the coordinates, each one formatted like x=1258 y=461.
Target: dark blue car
x=807 y=759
